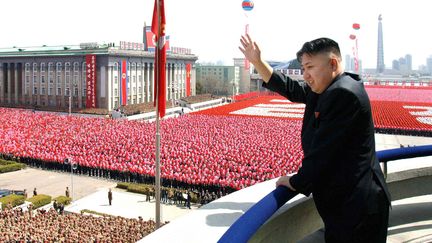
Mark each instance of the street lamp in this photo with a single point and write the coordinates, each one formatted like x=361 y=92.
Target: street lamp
x=73 y=166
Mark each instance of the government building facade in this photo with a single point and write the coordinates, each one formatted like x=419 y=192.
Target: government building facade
x=89 y=76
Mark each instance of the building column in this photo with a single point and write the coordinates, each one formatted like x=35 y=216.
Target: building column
x=175 y=79
x=38 y=84
x=151 y=82
x=182 y=80
x=23 y=85
x=79 y=85
x=143 y=83
x=2 y=82
x=168 y=81
x=110 y=96
x=63 y=85
x=147 y=81
x=9 y=83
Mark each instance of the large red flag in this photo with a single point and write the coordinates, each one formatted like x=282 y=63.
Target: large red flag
x=160 y=56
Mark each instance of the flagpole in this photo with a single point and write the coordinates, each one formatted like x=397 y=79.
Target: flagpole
x=157 y=172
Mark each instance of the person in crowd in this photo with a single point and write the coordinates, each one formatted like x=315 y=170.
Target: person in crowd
x=110 y=196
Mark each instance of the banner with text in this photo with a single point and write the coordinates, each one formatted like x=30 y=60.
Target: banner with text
x=91 y=81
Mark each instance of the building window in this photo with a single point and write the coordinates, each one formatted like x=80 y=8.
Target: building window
x=76 y=66
x=34 y=79
x=58 y=67
x=34 y=67
x=59 y=89
x=50 y=91
x=27 y=67
x=67 y=91
x=42 y=91
x=67 y=67
x=75 y=91
x=116 y=66
x=115 y=80
x=116 y=92
x=42 y=67
x=43 y=79
x=34 y=90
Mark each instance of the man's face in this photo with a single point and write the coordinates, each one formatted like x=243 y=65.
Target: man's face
x=317 y=71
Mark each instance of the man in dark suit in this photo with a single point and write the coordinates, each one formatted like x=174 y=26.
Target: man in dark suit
x=340 y=167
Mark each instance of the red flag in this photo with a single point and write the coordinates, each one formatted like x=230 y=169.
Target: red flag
x=160 y=56
x=188 y=79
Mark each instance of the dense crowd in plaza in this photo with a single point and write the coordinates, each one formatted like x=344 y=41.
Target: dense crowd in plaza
x=227 y=151
x=50 y=226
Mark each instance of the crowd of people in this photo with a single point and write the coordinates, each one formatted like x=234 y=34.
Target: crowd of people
x=197 y=149
x=17 y=225
x=226 y=151
x=400 y=94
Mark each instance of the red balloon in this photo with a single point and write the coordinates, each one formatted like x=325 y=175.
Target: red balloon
x=356 y=26
x=352 y=37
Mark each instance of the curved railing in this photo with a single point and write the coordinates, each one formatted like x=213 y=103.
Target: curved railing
x=245 y=226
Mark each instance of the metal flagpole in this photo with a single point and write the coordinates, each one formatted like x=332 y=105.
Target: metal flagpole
x=157 y=172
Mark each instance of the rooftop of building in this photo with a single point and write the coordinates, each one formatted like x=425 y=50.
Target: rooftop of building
x=83 y=49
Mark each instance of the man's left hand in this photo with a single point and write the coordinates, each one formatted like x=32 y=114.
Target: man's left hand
x=285 y=181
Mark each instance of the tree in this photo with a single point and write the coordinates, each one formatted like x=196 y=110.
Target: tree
x=199 y=88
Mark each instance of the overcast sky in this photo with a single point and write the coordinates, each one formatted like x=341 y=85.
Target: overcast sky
x=212 y=28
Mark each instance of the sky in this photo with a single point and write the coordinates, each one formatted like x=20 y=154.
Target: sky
x=212 y=29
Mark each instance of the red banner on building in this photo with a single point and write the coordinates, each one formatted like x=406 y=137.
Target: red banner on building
x=91 y=81
x=188 y=79
x=123 y=83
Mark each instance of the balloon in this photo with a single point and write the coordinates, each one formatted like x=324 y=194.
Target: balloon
x=247 y=5
x=352 y=37
x=356 y=26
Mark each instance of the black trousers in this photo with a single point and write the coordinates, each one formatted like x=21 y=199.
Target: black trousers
x=371 y=229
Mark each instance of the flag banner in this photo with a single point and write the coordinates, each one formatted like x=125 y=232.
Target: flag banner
x=123 y=83
x=90 y=81
x=160 y=57
x=150 y=39
x=188 y=79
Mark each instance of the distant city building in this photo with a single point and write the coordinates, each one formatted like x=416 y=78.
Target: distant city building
x=408 y=61
x=380 y=50
x=350 y=64
x=403 y=65
x=92 y=74
x=429 y=64
x=395 y=65
x=245 y=76
x=219 y=79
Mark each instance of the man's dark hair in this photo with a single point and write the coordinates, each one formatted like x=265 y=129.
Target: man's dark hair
x=320 y=45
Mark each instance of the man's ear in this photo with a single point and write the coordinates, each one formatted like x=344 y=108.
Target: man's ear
x=335 y=64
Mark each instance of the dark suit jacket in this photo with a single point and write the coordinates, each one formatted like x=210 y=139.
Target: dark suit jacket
x=340 y=167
